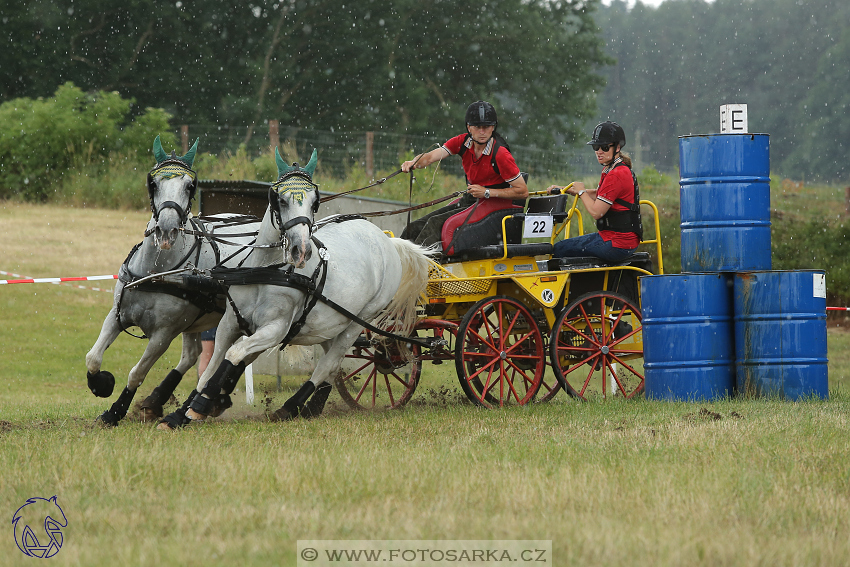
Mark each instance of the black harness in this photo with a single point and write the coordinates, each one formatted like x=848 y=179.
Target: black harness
x=624 y=221
x=209 y=300
x=282 y=274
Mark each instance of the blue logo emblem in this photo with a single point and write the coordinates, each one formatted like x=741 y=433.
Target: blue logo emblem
x=38 y=527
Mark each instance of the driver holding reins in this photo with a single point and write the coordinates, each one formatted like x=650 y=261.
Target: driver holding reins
x=491 y=172
x=615 y=203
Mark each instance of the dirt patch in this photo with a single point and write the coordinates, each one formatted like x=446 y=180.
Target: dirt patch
x=703 y=414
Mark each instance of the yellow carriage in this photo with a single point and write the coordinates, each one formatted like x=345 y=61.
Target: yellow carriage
x=519 y=324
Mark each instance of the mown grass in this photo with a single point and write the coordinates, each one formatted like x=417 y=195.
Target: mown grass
x=643 y=483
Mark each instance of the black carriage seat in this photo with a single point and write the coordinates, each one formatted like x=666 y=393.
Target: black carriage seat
x=555 y=204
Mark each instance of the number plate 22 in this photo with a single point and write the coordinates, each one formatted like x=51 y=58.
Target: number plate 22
x=537 y=226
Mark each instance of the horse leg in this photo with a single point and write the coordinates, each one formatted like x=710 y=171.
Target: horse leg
x=102 y=383
x=219 y=372
x=316 y=404
x=116 y=413
x=238 y=356
x=328 y=365
x=151 y=407
x=157 y=345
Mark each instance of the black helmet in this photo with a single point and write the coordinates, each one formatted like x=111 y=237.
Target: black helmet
x=481 y=113
x=608 y=133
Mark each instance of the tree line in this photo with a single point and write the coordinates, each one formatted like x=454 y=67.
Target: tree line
x=786 y=59
x=383 y=65
x=554 y=68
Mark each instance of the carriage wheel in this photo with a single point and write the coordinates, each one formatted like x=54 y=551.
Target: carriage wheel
x=596 y=347
x=377 y=376
x=499 y=353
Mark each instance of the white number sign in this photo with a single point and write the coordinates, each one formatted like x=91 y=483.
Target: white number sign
x=537 y=226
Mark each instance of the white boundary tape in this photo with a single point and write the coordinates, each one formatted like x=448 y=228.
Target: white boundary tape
x=25 y=279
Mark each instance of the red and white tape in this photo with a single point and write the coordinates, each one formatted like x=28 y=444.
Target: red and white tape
x=24 y=279
x=838 y=308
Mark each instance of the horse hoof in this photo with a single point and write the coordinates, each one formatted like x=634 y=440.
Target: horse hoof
x=106 y=420
x=150 y=409
x=147 y=414
x=101 y=384
x=195 y=416
x=221 y=404
x=163 y=426
x=281 y=415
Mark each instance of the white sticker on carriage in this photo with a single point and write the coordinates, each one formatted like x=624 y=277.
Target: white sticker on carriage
x=548 y=296
x=537 y=226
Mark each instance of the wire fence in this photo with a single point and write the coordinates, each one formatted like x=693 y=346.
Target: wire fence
x=374 y=152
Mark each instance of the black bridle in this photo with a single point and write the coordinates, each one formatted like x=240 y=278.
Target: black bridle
x=274 y=201
x=172 y=168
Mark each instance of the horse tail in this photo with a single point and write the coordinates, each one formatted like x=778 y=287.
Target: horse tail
x=400 y=314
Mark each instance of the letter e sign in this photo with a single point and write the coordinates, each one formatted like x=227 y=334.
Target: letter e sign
x=733 y=119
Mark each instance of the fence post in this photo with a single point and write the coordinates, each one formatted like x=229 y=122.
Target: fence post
x=184 y=137
x=274 y=134
x=370 y=157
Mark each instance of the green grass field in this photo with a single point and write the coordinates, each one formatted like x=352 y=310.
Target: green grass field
x=639 y=483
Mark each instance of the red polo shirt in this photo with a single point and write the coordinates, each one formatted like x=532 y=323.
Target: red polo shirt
x=479 y=171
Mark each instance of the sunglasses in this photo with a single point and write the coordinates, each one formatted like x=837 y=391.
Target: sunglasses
x=597 y=147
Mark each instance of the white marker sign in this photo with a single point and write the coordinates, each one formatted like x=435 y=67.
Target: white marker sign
x=537 y=226
x=733 y=119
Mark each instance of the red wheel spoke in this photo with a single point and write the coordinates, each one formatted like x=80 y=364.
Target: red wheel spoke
x=370 y=378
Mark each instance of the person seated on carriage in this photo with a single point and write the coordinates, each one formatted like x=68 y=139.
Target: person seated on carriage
x=493 y=182
x=614 y=204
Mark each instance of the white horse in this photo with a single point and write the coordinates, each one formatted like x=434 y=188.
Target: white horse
x=375 y=278
x=165 y=309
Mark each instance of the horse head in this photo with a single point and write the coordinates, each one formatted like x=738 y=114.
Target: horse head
x=294 y=200
x=171 y=188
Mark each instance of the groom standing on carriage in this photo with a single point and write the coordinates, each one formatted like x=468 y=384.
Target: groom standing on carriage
x=493 y=182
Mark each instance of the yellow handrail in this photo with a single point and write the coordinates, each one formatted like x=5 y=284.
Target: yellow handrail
x=657 y=239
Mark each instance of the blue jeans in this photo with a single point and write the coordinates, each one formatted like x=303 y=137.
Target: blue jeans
x=591 y=245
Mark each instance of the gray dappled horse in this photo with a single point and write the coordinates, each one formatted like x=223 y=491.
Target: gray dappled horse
x=356 y=266
x=165 y=309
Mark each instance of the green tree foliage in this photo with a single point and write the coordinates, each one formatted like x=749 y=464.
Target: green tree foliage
x=41 y=139
x=785 y=59
x=397 y=65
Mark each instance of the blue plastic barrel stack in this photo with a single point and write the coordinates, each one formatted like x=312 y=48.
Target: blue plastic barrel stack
x=727 y=324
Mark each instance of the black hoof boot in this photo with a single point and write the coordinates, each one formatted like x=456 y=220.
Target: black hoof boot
x=177 y=419
x=294 y=406
x=316 y=404
x=101 y=384
x=116 y=413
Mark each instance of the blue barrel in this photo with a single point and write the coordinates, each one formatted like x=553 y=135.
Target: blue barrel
x=780 y=334
x=688 y=348
x=724 y=191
